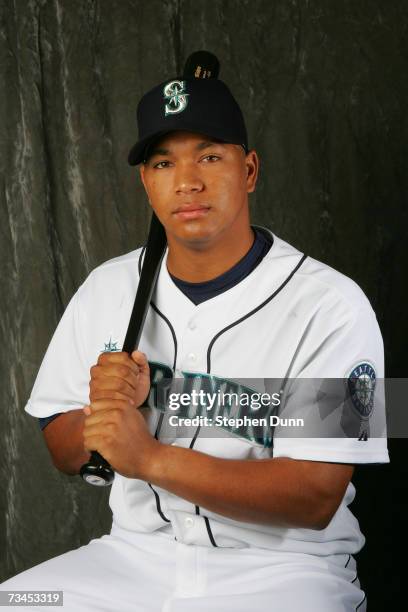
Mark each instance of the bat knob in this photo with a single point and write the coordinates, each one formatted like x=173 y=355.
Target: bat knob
x=97 y=471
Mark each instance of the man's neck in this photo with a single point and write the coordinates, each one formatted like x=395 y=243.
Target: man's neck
x=197 y=265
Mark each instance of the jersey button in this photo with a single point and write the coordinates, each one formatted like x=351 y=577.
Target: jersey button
x=189 y=522
x=192 y=357
x=192 y=325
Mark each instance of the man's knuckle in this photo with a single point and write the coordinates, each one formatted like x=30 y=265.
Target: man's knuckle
x=122 y=371
x=122 y=385
x=135 y=373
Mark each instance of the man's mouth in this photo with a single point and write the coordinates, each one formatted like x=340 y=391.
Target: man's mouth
x=192 y=211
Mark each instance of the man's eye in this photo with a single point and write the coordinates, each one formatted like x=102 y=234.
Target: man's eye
x=211 y=158
x=162 y=164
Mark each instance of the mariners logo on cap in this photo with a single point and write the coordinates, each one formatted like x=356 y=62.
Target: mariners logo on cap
x=174 y=92
x=361 y=384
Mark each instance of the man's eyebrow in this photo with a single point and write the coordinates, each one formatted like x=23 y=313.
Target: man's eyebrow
x=158 y=151
x=208 y=143
x=200 y=146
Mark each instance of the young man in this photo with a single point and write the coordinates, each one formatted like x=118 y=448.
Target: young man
x=220 y=520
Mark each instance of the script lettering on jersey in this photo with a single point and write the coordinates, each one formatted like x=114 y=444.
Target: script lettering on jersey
x=223 y=400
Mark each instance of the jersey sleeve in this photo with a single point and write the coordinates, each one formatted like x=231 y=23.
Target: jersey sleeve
x=62 y=382
x=338 y=391
x=43 y=422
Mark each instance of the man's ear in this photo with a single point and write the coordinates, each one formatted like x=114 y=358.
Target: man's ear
x=252 y=167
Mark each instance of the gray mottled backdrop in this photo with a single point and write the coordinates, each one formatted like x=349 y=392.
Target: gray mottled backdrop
x=323 y=87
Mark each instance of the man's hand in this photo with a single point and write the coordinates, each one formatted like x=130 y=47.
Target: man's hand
x=114 y=426
x=120 y=376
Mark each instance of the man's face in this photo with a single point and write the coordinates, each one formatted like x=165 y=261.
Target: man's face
x=199 y=188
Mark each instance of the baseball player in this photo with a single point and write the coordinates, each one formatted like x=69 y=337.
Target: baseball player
x=214 y=517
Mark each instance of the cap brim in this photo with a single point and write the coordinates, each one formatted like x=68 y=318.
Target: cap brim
x=136 y=154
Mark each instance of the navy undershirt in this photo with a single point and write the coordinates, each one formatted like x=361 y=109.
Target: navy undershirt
x=200 y=292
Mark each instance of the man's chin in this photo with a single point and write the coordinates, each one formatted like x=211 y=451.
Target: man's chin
x=194 y=237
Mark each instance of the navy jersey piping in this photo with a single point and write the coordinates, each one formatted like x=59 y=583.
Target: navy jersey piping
x=208 y=527
x=353 y=581
x=210 y=534
x=158 y=506
x=252 y=312
x=195 y=436
x=156 y=495
x=173 y=333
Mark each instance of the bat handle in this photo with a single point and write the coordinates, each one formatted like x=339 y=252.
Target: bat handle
x=97 y=471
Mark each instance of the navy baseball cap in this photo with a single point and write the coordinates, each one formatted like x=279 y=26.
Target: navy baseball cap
x=203 y=105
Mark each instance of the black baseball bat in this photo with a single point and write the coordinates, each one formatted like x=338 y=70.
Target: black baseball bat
x=98 y=472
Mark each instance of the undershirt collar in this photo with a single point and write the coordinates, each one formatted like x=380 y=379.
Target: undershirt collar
x=200 y=292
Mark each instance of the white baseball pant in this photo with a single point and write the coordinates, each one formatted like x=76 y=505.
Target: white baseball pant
x=135 y=572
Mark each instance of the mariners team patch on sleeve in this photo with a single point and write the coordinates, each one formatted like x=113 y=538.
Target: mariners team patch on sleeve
x=361 y=380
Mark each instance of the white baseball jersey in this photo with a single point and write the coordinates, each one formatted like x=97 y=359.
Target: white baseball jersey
x=291 y=318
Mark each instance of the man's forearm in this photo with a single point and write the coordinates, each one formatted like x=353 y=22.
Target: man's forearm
x=280 y=491
x=65 y=441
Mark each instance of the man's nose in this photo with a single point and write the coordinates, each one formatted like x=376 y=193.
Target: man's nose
x=188 y=179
